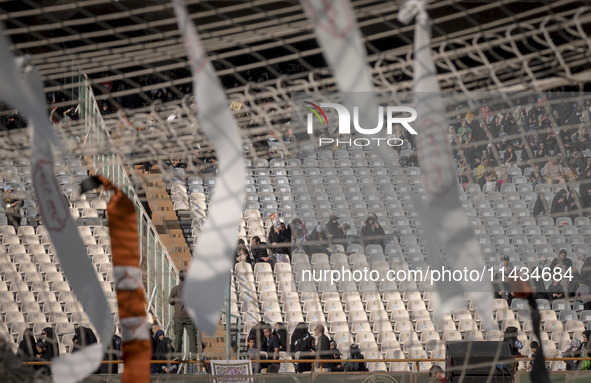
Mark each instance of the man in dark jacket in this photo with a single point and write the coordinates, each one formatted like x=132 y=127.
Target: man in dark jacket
x=259 y=251
x=281 y=235
x=323 y=350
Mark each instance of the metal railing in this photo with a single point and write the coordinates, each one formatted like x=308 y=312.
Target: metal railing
x=160 y=272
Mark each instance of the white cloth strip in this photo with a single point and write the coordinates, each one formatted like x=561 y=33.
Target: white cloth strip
x=209 y=274
x=27 y=95
x=134 y=328
x=127 y=278
x=442 y=216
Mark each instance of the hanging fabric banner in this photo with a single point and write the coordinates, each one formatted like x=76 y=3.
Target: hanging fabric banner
x=27 y=95
x=131 y=297
x=443 y=219
x=208 y=277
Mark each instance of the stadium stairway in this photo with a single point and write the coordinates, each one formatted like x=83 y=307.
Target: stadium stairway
x=165 y=219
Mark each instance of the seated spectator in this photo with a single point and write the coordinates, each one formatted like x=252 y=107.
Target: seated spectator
x=336 y=354
x=573 y=351
x=307 y=349
x=573 y=204
x=581 y=258
x=572 y=175
x=503 y=178
x=506 y=266
x=299 y=334
x=371 y=232
x=280 y=235
x=83 y=336
x=554 y=172
x=482 y=168
x=585 y=191
x=12 y=208
x=509 y=157
x=587 y=166
x=334 y=230
x=559 y=204
x=27 y=348
x=243 y=257
x=355 y=353
x=273 y=346
x=436 y=373
x=555 y=290
x=260 y=252
x=583 y=294
x=533 y=346
x=257 y=332
x=253 y=353
x=541 y=206
x=331 y=231
x=281 y=333
x=164 y=351
x=562 y=261
x=51 y=342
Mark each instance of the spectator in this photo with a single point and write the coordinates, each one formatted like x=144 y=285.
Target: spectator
x=505 y=266
x=182 y=320
x=585 y=191
x=306 y=348
x=371 y=232
x=573 y=204
x=503 y=178
x=533 y=346
x=336 y=355
x=555 y=290
x=280 y=235
x=464 y=132
x=572 y=175
x=299 y=235
x=535 y=176
x=83 y=336
x=559 y=203
x=578 y=349
x=299 y=334
x=355 y=353
x=539 y=287
x=281 y=333
x=106 y=86
x=573 y=351
x=334 y=230
x=584 y=295
x=164 y=351
x=257 y=331
x=41 y=351
x=273 y=346
x=12 y=208
x=51 y=342
x=509 y=157
x=482 y=169
x=243 y=257
x=554 y=172
x=253 y=353
x=580 y=260
x=562 y=261
x=540 y=207
x=322 y=343
x=259 y=251
x=27 y=348
x=436 y=373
